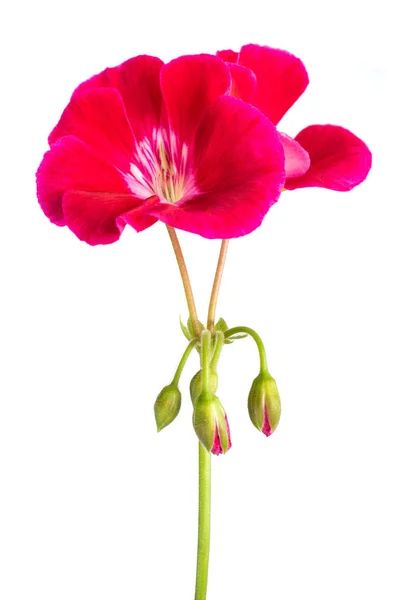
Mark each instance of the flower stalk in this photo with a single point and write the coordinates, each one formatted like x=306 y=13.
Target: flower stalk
x=185 y=279
x=256 y=338
x=183 y=361
x=216 y=285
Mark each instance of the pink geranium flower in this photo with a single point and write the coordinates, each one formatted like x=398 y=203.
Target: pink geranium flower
x=324 y=156
x=148 y=141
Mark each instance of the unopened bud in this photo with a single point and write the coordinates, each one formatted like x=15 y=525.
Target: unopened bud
x=196 y=384
x=167 y=405
x=264 y=403
x=211 y=424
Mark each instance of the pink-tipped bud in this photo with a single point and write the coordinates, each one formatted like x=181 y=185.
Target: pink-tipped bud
x=264 y=403
x=211 y=424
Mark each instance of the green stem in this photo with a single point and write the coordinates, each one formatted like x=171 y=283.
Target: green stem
x=203 y=544
x=182 y=362
x=205 y=358
x=256 y=338
x=217 y=284
x=217 y=349
x=185 y=279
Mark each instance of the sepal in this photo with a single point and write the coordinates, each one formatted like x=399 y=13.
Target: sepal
x=188 y=330
x=222 y=325
x=185 y=330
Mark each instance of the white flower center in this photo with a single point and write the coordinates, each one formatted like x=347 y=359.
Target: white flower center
x=161 y=169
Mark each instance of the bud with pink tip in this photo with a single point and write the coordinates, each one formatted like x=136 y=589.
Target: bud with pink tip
x=211 y=424
x=264 y=403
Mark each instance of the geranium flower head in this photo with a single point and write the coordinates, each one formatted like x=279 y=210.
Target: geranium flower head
x=148 y=141
x=326 y=156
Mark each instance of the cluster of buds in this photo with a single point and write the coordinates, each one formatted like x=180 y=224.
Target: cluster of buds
x=210 y=421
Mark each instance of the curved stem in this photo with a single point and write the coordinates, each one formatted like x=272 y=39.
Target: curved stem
x=256 y=338
x=216 y=285
x=203 y=544
x=185 y=279
x=182 y=362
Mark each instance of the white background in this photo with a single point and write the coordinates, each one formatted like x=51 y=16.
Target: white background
x=95 y=504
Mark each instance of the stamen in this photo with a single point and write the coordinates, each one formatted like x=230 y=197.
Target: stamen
x=161 y=169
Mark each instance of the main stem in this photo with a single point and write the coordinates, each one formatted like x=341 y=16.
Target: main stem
x=203 y=540
x=216 y=285
x=203 y=543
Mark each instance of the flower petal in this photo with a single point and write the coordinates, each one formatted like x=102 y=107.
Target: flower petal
x=98 y=118
x=339 y=159
x=297 y=161
x=138 y=217
x=73 y=184
x=281 y=78
x=228 y=55
x=94 y=216
x=138 y=82
x=239 y=172
x=244 y=82
x=190 y=84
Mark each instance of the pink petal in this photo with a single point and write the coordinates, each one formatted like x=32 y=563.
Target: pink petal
x=138 y=217
x=71 y=168
x=98 y=118
x=244 y=82
x=138 y=82
x=297 y=160
x=266 y=427
x=228 y=55
x=339 y=159
x=217 y=446
x=93 y=216
x=190 y=84
x=239 y=171
x=281 y=79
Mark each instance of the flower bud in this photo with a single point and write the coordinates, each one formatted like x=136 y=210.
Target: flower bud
x=167 y=405
x=264 y=403
x=211 y=424
x=196 y=384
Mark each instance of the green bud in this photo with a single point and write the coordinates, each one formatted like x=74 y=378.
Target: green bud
x=167 y=405
x=264 y=403
x=211 y=424
x=196 y=384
